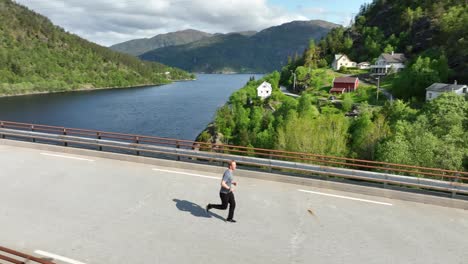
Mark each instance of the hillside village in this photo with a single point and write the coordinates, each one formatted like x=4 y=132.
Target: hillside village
x=385 y=64
x=344 y=99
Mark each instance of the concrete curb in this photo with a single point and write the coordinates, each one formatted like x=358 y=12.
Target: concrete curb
x=339 y=186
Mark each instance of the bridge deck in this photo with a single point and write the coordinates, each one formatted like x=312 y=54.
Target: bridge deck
x=96 y=210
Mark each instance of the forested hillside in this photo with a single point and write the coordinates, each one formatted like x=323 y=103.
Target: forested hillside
x=434 y=136
x=36 y=56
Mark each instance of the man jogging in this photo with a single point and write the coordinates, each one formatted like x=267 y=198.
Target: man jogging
x=227 y=193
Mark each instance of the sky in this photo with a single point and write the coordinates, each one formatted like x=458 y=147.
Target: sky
x=109 y=22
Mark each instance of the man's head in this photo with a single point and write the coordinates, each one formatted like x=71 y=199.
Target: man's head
x=232 y=165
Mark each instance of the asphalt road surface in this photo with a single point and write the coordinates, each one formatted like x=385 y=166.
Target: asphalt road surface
x=93 y=210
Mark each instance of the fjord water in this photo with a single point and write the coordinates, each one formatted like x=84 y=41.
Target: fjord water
x=178 y=110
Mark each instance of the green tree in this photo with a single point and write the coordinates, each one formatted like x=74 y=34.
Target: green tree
x=395 y=149
x=447 y=112
x=311 y=55
x=256 y=117
x=305 y=108
x=224 y=122
x=389 y=48
x=436 y=137
x=347 y=102
x=325 y=135
x=418 y=76
x=398 y=110
x=348 y=44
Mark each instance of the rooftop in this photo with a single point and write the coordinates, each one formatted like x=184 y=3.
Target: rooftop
x=345 y=79
x=444 y=87
x=394 y=57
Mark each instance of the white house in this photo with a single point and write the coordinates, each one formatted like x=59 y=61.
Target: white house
x=264 y=90
x=437 y=89
x=364 y=65
x=389 y=62
x=342 y=60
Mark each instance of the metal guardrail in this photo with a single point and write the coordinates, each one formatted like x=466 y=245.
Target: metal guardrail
x=372 y=171
x=12 y=256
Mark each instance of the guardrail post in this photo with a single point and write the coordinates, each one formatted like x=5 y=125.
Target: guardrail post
x=32 y=129
x=222 y=160
x=455 y=180
x=270 y=157
x=385 y=184
x=65 y=133
x=137 y=141
x=2 y=126
x=178 y=146
x=98 y=134
x=211 y=150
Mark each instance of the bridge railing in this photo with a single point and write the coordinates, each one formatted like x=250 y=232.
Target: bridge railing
x=384 y=172
x=13 y=256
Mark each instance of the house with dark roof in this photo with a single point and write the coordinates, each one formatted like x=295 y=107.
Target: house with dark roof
x=344 y=85
x=341 y=60
x=437 y=89
x=389 y=62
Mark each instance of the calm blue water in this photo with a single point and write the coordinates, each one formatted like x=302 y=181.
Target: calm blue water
x=178 y=110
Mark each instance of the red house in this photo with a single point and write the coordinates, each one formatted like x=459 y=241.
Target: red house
x=344 y=84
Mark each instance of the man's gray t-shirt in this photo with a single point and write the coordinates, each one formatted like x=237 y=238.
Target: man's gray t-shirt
x=227 y=177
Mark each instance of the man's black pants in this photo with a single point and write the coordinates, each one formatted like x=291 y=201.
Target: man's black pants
x=226 y=198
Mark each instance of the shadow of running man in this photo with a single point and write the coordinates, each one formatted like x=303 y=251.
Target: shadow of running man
x=195 y=209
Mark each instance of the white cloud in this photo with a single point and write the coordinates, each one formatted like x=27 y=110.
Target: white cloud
x=108 y=22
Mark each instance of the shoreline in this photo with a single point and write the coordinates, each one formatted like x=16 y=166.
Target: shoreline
x=120 y=87
x=230 y=73
x=92 y=89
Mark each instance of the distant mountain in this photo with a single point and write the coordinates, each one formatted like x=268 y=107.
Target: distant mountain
x=264 y=51
x=139 y=46
x=246 y=33
x=37 y=56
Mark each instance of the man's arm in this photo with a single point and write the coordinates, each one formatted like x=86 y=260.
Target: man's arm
x=225 y=186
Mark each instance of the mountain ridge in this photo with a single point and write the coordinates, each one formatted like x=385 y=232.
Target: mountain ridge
x=137 y=47
x=264 y=51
